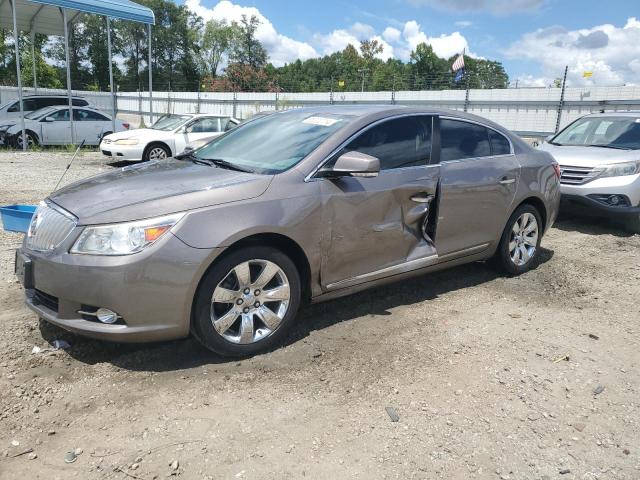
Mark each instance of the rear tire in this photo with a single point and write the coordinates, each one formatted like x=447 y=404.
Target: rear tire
x=519 y=245
x=236 y=313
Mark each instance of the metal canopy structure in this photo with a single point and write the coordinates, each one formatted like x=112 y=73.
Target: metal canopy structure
x=54 y=17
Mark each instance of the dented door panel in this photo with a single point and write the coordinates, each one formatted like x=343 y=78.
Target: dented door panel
x=377 y=223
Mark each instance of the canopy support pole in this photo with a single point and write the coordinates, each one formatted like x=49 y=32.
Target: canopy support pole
x=113 y=93
x=16 y=37
x=150 y=79
x=33 y=62
x=66 y=55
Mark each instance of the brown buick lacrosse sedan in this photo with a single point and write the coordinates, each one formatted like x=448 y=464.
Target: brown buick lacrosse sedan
x=227 y=241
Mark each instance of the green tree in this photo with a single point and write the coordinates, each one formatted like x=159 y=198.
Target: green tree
x=247 y=49
x=217 y=40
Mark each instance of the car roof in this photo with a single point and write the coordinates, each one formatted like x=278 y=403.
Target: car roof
x=382 y=111
x=51 y=96
x=632 y=114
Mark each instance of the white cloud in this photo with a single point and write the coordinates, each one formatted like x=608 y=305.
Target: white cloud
x=610 y=52
x=391 y=34
x=281 y=49
x=396 y=43
x=443 y=45
x=463 y=23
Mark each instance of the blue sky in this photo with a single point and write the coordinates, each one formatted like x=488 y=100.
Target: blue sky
x=534 y=39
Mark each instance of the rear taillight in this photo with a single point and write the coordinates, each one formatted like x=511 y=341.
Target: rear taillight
x=126 y=125
x=556 y=167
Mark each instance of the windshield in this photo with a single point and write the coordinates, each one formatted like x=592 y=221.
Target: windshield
x=276 y=142
x=610 y=132
x=169 y=122
x=37 y=114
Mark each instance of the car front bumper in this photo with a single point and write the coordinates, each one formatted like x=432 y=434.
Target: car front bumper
x=132 y=153
x=152 y=291
x=581 y=197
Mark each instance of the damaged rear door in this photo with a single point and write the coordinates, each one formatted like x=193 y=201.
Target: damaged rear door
x=383 y=225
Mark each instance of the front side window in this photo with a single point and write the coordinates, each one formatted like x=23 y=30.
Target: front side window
x=397 y=143
x=61 y=115
x=274 y=143
x=460 y=140
x=205 y=125
x=607 y=132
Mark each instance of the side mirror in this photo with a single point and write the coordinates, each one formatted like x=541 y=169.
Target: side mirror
x=49 y=119
x=353 y=164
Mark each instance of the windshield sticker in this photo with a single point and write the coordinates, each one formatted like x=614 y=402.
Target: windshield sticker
x=321 y=121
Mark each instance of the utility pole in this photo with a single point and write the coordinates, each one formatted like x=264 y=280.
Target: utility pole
x=561 y=103
x=364 y=73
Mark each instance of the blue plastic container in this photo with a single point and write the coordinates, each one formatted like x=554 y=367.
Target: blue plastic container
x=16 y=218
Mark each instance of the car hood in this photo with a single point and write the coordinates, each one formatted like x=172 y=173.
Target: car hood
x=156 y=188
x=140 y=133
x=588 y=156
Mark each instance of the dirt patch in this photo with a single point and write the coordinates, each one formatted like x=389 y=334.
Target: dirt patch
x=515 y=378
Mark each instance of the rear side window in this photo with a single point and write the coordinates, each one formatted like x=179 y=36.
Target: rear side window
x=459 y=140
x=397 y=143
x=79 y=102
x=499 y=143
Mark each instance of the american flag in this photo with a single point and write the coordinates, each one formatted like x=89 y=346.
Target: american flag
x=458 y=64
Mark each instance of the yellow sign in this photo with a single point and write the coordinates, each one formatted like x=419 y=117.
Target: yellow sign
x=341 y=83
x=587 y=74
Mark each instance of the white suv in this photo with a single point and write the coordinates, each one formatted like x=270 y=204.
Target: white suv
x=31 y=103
x=599 y=157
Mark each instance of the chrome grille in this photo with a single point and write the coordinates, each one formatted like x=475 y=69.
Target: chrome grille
x=48 y=228
x=577 y=175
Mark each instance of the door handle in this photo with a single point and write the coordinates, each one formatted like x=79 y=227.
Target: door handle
x=422 y=198
x=507 y=181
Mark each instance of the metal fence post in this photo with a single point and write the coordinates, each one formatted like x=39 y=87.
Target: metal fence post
x=561 y=102
x=198 y=104
x=234 y=104
x=276 y=100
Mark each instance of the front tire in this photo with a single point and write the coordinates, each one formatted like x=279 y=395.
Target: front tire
x=519 y=245
x=32 y=140
x=156 y=151
x=247 y=302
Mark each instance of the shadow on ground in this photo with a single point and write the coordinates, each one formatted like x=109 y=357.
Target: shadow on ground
x=575 y=221
x=187 y=353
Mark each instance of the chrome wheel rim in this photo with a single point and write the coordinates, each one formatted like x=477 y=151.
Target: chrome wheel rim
x=250 y=302
x=157 y=153
x=30 y=141
x=524 y=239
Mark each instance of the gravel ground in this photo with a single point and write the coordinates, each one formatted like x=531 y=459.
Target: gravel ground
x=534 y=377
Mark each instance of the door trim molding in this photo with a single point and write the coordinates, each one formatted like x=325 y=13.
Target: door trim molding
x=416 y=264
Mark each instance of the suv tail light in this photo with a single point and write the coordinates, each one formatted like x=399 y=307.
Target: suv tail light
x=126 y=125
x=556 y=167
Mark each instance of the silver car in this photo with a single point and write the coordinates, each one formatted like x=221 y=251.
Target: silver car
x=300 y=206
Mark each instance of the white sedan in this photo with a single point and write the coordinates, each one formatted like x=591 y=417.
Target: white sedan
x=51 y=126
x=166 y=138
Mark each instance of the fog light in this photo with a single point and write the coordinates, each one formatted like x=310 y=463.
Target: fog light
x=614 y=200
x=106 y=316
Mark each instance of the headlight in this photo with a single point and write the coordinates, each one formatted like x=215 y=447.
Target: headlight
x=123 y=238
x=127 y=141
x=4 y=128
x=620 y=169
